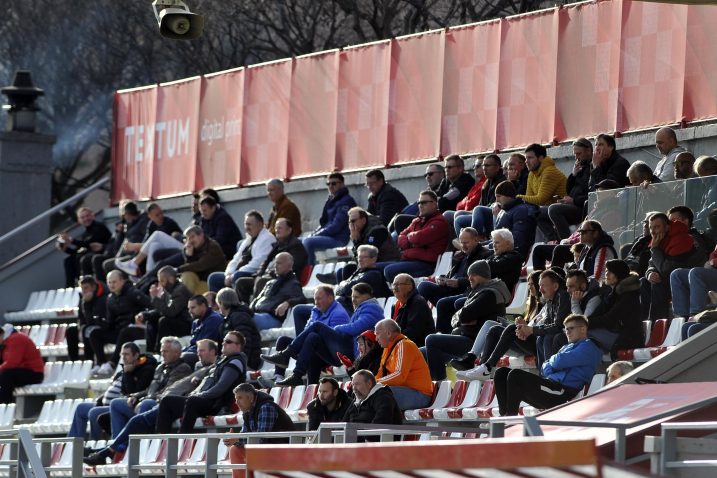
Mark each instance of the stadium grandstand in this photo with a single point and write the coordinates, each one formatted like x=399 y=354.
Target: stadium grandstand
x=511 y=275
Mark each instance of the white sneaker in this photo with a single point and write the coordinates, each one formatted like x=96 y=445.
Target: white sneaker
x=480 y=372
x=106 y=369
x=128 y=266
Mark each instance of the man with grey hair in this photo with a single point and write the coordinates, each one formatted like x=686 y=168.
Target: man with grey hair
x=617 y=369
x=169 y=314
x=282 y=207
x=402 y=367
x=366 y=272
x=666 y=143
x=640 y=174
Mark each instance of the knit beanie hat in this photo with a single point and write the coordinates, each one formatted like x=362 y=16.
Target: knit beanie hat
x=506 y=188
x=619 y=268
x=480 y=268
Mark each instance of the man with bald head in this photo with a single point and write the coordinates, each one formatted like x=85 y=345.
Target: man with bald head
x=666 y=143
x=283 y=207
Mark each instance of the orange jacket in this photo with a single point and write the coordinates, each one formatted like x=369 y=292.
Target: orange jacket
x=406 y=366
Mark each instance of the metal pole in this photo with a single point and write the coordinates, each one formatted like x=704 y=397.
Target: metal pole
x=54 y=209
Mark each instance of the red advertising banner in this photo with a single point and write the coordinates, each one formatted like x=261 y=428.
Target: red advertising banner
x=175 y=137
x=588 y=73
x=220 y=129
x=652 y=73
x=133 y=143
x=265 y=137
x=416 y=96
x=700 y=98
x=362 y=109
x=312 y=116
x=526 y=91
x=470 y=88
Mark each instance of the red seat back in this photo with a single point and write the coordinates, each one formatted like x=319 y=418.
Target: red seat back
x=459 y=393
x=305 y=275
x=659 y=331
x=487 y=392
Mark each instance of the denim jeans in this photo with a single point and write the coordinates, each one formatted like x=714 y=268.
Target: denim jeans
x=479 y=342
x=689 y=289
x=410 y=399
x=83 y=413
x=319 y=243
x=141 y=423
x=412 y=268
x=121 y=412
x=440 y=348
x=265 y=320
x=691 y=328
x=321 y=341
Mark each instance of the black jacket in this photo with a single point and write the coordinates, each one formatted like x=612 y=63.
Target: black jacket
x=371 y=361
x=97 y=307
x=577 y=186
x=614 y=168
x=485 y=302
x=379 y=407
x=372 y=276
x=172 y=304
x=164 y=376
x=461 y=262
x=415 y=319
x=276 y=291
x=387 y=203
x=122 y=308
x=95 y=232
x=319 y=414
x=639 y=256
x=487 y=194
x=283 y=422
x=455 y=191
x=218 y=385
x=240 y=318
x=294 y=247
x=556 y=310
x=375 y=233
x=222 y=228
x=506 y=266
x=139 y=378
x=623 y=314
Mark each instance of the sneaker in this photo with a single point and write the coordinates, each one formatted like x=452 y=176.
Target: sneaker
x=129 y=267
x=327 y=278
x=99 y=457
x=106 y=369
x=267 y=382
x=467 y=362
x=280 y=359
x=480 y=372
x=292 y=381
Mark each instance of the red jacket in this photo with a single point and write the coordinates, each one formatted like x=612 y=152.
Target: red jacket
x=678 y=240
x=19 y=351
x=472 y=199
x=425 y=239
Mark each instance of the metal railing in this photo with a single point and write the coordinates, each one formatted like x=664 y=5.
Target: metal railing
x=668 y=458
x=24 y=460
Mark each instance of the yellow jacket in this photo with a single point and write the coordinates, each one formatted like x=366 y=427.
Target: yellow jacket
x=545 y=183
x=406 y=366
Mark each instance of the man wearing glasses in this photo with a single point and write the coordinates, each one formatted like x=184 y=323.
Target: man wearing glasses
x=455 y=185
x=333 y=228
x=434 y=180
x=599 y=250
x=422 y=242
x=561 y=378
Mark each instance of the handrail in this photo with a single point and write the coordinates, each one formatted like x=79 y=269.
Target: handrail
x=28 y=462
x=54 y=209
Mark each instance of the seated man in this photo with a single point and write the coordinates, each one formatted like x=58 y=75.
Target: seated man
x=201 y=256
x=80 y=250
x=21 y=363
x=486 y=303
x=384 y=201
x=169 y=314
x=135 y=375
x=364 y=229
x=617 y=369
x=374 y=402
x=170 y=370
x=599 y=249
x=272 y=303
x=93 y=303
x=212 y=395
x=422 y=242
x=516 y=216
x=219 y=225
x=145 y=421
x=506 y=262
x=325 y=310
x=207 y=323
x=286 y=241
x=332 y=230
x=330 y=404
x=411 y=312
x=562 y=376
x=282 y=207
x=318 y=343
x=523 y=337
x=251 y=253
x=403 y=367
x=482 y=217
x=367 y=272
x=640 y=174
x=465 y=206
x=162 y=233
x=123 y=303
x=434 y=178
x=455 y=185
x=455 y=283
x=131 y=231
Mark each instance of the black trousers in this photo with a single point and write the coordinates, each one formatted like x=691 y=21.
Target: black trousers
x=187 y=408
x=501 y=339
x=11 y=378
x=72 y=337
x=158 y=328
x=127 y=334
x=513 y=386
x=98 y=338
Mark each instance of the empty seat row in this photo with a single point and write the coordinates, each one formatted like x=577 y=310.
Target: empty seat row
x=49 y=338
x=56 y=416
x=59 y=375
x=48 y=305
